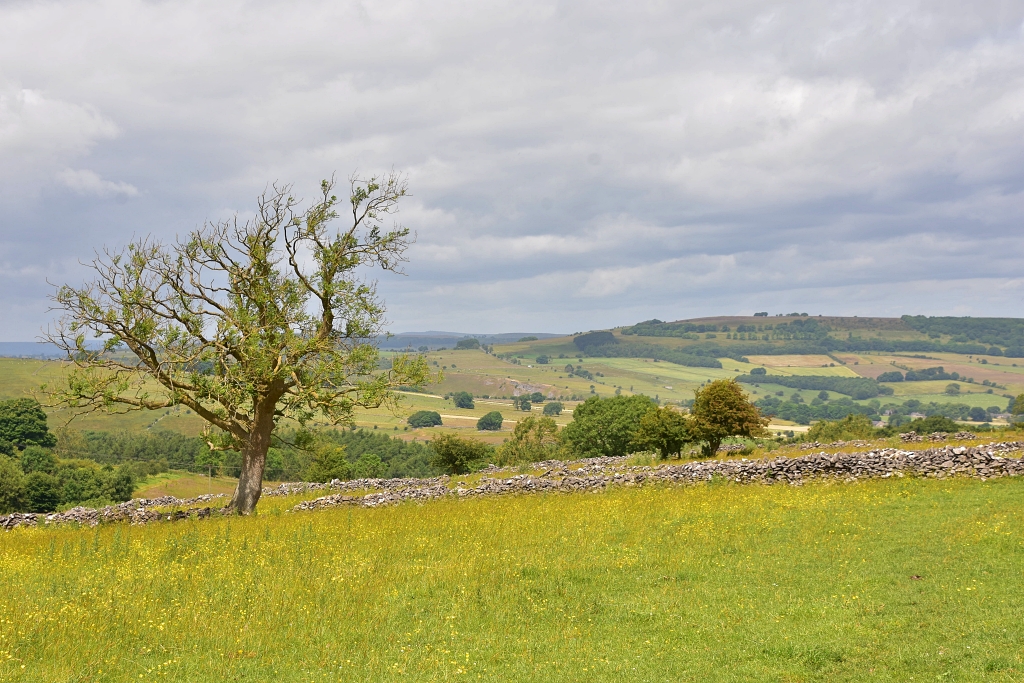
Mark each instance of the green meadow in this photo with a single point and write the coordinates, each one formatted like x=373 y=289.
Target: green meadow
x=892 y=580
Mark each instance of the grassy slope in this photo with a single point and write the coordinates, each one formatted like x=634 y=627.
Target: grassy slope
x=719 y=583
x=481 y=373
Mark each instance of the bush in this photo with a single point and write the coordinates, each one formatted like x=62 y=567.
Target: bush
x=328 y=463
x=953 y=389
x=12 y=487
x=935 y=423
x=553 y=408
x=605 y=426
x=759 y=371
x=533 y=439
x=454 y=454
x=121 y=486
x=664 y=430
x=855 y=426
x=42 y=491
x=542 y=360
x=491 y=422
x=463 y=399
x=36 y=459
x=424 y=418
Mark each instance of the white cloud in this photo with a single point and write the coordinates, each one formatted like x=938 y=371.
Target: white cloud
x=88 y=182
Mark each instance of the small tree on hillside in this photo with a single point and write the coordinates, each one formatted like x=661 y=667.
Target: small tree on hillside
x=491 y=422
x=533 y=439
x=463 y=399
x=720 y=409
x=244 y=323
x=454 y=454
x=664 y=430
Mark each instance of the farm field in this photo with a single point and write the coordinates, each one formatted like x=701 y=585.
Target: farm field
x=880 y=580
x=513 y=369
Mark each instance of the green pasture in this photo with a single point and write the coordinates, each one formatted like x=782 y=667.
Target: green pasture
x=892 y=580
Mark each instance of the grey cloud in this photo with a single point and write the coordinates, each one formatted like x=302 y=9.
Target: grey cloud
x=573 y=165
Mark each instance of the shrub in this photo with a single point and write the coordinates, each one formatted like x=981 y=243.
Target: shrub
x=12 y=487
x=463 y=399
x=454 y=454
x=664 y=430
x=605 y=426
x=36 y=459
x=553 y=408
x=424 y=418
x=952 y=388
x=491 y=422
x=328 y=463
x=759 y=371
x=533 y=439
x=542 y=360
x=935 y=423
x=854 y=426
x=42 y=491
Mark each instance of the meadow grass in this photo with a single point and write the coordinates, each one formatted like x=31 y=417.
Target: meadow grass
x=712 y=582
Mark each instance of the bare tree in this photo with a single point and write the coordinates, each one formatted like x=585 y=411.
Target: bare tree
x=244 y=323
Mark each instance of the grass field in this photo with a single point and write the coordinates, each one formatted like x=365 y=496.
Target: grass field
x=885 y=580
x=183 y=485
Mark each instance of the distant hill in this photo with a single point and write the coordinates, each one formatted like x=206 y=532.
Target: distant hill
x=436 y=339
x=29 y=350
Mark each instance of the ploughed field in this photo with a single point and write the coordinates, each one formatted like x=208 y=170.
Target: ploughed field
x=882 y=579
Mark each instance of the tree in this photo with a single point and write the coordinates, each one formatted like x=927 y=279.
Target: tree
x=23 y=423
x=553 y=408
x=664 y=430
x=246 y=324
x=463 y=399
x=537 y=397
x=36 y=459
x=328 y=463
x=979 y=414
x=720 y=409
x=424 y=418
x=542 y=360
x=605 y=426
x=952 y=388
x=42 y=491
x=12 y=487
x=467 y=344
x=454 y=454
x=121 y=486
x=491 y=422
x=853 y=426
x=533 y=439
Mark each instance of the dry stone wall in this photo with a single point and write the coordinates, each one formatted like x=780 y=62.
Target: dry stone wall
x=981 y=462
x=594 y=474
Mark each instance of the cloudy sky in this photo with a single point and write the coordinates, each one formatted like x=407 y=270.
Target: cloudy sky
x=574 y=165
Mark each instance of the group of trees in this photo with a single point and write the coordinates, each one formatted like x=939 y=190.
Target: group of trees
x=859 y=388
x=615 y=426
x=34 y=479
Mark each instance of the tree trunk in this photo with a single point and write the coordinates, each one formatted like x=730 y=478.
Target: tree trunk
x=254 y=460
x=710 y=446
